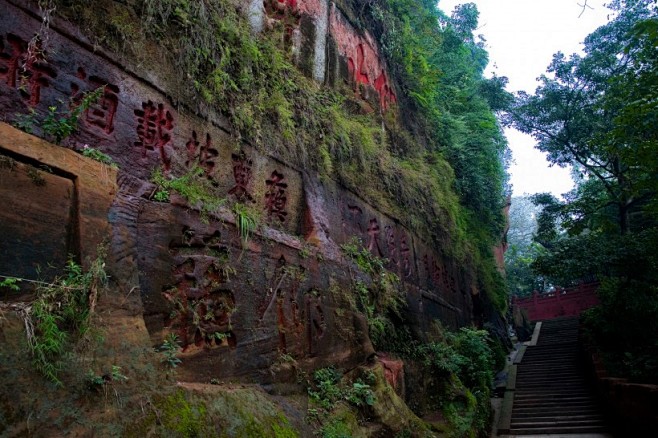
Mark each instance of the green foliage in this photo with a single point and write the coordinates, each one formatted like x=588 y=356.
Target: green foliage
x=593 y=112
x=588 y=112
x=336 y=428
x=624 y=328
x=169 y=350
x=59 y=123
x=328 y=390
x=467 y=354
x=61 y=313
x=161 y=195
x=26 y=122
x=246 y=220
x=96 y=381
x=383 y=299
x=440 y=69
x=522 y=250
x=10 y=283
x=99 y=156
x=192 y=185
x=465 y=362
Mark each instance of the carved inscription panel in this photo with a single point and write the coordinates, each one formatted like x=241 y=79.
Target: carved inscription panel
x=38 y=231
x=133 y=122
x=234 y=308
x=364 y=63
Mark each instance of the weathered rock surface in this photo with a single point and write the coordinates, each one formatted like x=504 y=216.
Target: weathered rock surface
x=236 y=306
x=256 y=302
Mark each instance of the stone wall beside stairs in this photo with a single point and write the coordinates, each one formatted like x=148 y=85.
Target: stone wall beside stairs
x=631 y=407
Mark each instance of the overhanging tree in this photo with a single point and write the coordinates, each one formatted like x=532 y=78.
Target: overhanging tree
x=589 y=112
x=598 y=113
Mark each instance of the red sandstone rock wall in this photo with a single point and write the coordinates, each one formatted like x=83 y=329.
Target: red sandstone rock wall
x=257 y=302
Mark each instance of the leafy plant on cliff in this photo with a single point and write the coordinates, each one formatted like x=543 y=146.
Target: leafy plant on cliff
x=382 y=298
x=61 y=314
x=246 y=220
x=465 y=360
x=193 y=185
x=99 y=156
x=59 y=123
x=439 y=64
x=10 y=283
x=169 y=350
x=328 y=389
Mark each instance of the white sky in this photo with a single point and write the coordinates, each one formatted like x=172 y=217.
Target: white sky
x=522 y=36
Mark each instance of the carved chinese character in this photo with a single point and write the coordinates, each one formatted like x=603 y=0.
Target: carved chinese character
x=200 y=310
x=355 y=214
x=242 y=177
x=289 y=322
x=315 y=324
x=437 y=273
x=357 y=69
x=386 y=95
x=12 y=56
x=275 y=197
x=391 y=246
x=26 y=70
x=203 y=155
x=155 y=125
x=100 y=113
x=373 y=242
x=405 y=253
x=433 y=275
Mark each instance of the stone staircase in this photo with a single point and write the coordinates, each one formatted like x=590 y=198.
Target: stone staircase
x=552 y=395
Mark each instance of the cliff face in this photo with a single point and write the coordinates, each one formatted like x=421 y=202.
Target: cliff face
x=266 y=273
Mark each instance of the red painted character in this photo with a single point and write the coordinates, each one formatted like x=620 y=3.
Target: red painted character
x=26 y=70
x=100 y=113
x=275 y=197
x=155 y=125
x=242 y=176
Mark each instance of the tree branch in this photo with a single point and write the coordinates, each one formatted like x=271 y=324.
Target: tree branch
x=584 y=5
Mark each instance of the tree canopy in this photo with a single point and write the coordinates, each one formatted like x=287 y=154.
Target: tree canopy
x=597 y=112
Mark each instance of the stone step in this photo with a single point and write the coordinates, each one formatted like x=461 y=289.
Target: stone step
x=562 y=430
x=543 y=375
x=557 y=422
x=552 y=374
x=554 y=359
x=547 y=361
x=531 y=400
x=549 y=372
x=522 y=394
x=570 y=391
x=540 y=412
x=555 y=427
x=565 y=382
x=562 y=420
x=538 y=405
x=571 y=377
x=551 y=395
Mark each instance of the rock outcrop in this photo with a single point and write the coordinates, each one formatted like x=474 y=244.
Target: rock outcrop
x=236 y=302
